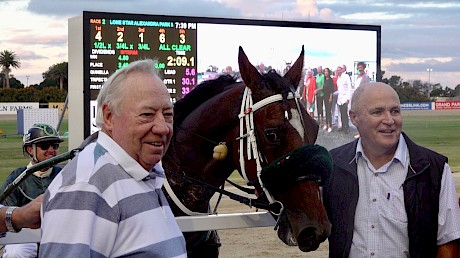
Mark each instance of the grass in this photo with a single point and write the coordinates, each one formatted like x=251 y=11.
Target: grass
x=438 y=131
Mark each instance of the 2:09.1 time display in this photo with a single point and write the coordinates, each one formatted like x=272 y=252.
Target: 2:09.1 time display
x=180 y=61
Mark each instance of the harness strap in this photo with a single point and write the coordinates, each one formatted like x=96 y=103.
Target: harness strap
x=262 y=103
x=241 y=188
x=179 y=203
x=242 y=136
x=244 y=200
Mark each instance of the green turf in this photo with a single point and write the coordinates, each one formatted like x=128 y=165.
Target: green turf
x=439 y=133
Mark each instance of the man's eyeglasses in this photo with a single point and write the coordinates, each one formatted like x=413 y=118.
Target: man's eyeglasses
x=46 y=145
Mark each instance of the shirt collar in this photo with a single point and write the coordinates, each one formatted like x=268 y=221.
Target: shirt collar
x=400 y=154
x=130 y=165
x=39 y=173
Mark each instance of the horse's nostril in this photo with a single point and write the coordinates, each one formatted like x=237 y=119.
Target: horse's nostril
x=307 y=234
x=308 y=240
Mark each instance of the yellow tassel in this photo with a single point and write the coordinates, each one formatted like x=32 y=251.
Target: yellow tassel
x=220 y=151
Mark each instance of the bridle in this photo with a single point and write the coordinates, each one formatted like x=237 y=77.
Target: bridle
x=247 y=133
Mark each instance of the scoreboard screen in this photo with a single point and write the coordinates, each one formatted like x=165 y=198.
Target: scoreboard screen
x=190 y=50
x=117 y=40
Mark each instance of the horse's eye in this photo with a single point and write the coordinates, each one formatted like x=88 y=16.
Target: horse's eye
x=272 y=135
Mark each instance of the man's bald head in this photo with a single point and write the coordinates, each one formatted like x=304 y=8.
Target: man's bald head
x=360 y=93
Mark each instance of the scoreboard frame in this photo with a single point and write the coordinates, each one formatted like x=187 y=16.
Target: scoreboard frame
x=82 y=92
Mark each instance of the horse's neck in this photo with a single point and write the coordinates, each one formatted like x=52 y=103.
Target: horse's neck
x=191 y=149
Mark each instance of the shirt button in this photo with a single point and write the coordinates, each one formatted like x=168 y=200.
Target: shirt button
x=372 y=226
x=376 y=174
x=372 y=254
x=374 y=200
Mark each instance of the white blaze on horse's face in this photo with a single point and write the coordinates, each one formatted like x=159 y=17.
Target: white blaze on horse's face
x=296 y=122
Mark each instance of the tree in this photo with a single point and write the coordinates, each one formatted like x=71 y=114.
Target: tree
x=15 y=83
x=58 y=72
x=8 y=59
x=412 y=91
x=410 y=94
x=394 y=81
x=48 y=82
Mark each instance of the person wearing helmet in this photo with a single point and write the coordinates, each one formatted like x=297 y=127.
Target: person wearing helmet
x=41 y=142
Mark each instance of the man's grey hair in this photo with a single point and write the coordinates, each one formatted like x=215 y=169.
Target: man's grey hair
x=356 y=98
x=112 y=90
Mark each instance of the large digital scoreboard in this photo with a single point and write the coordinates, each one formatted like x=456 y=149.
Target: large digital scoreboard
x=192 y=49
x=117 y=39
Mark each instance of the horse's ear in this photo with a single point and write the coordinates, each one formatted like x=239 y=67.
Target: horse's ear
x=294 y=75
x=248 y=72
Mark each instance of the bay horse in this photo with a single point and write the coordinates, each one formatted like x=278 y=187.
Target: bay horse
x=258 y=121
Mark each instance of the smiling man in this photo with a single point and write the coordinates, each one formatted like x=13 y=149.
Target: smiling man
x=40 y=143
x=107 y=202
x=387 y=196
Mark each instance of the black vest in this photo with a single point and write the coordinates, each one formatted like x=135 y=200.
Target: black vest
x=421 y=198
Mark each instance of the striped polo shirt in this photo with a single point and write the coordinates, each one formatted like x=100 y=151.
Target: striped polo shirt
x=104 y=204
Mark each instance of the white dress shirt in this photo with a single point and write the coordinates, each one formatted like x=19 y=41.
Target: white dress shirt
x=344 y=88
x=381 y=220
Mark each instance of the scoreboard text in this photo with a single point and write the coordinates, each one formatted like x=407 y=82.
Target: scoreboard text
x=115 y=41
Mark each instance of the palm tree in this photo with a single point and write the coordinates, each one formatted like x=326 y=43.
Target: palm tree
x=8 y=59
x=57 y=72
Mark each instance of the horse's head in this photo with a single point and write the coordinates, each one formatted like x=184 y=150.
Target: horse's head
x=272 y=124
x=293 y=181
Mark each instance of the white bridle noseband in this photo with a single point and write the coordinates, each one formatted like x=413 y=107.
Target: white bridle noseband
x=247 y=131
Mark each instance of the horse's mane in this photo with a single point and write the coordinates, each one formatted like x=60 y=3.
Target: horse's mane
x=200 y=94
x=273 y=81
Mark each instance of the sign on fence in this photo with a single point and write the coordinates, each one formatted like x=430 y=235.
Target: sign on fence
x=453 y=104
x=416 y=106
x=10 y=108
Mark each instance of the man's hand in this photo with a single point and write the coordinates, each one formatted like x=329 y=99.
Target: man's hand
x=28 y=216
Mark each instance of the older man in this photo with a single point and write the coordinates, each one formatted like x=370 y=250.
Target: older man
x=387 y=196
x=107 y=202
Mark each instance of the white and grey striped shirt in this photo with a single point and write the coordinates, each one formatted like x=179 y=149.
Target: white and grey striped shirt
x=101 y=206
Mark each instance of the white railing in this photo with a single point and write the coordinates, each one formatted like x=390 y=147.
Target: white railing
x=186 y=224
